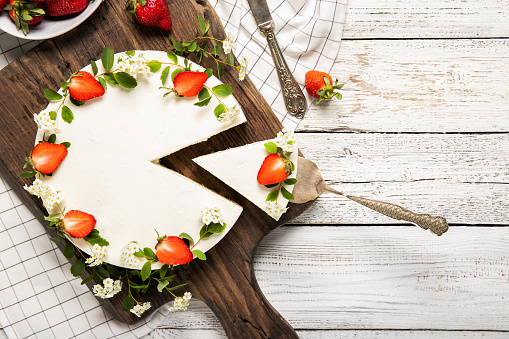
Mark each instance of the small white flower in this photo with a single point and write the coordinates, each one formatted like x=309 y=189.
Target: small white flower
x=285 y=139
x=127 y=258
x=109 y=289
x=212 y=215
x=139 y=309
x=243 y=69
x=45 y=123
x=97 y=257
x=274 y=209
x=181 y=303
x=133 y=64
x=228 y=43
x=37 y=188
x=229 y=114
x=51 y=198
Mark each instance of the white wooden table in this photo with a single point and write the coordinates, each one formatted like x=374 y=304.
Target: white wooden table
x=424 y=123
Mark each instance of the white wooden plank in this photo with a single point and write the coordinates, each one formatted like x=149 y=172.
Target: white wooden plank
x=430 y=19
x=418 y=86
x=380 y=277
x=464 y=178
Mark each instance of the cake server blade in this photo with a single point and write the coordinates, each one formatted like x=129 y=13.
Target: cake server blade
x=295 y=101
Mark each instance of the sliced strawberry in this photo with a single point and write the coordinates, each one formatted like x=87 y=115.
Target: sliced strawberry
x=189 y=84
x=84 y=86
x=273 y=170
x=173 y=250
x=78 y=224
x=46 y=157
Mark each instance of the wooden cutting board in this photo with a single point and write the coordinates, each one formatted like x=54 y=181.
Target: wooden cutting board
x=226 y=281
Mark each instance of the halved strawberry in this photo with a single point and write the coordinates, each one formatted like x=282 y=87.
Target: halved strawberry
x=274 y=170
x=173 y=250
x=83 y=86
x=46 y=157
x=78 y=224
x=189 y=84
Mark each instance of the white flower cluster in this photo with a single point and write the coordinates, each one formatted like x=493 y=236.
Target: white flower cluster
x=98 y=254
x=45 y=123
x=48 y=196
x=229 y=114
x=133 y=64
x=228 y=43
x=286 y=139
x=181 y=303
x=110 y=288
x=212 y=215
x=274 y=209
x=127 y=258
x=139 y=309
x=243 y=69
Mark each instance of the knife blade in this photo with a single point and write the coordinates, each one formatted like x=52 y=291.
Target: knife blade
x=295 y=101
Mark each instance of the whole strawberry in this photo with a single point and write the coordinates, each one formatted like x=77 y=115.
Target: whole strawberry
x=173 y=250
x=319 y=85
x=153 y=13
x=25 y=13
x=65 y=7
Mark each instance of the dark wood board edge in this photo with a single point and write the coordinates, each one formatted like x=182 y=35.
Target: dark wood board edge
x=241 y=307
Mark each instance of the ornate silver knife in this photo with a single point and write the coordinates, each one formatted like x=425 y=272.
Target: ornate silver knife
x=295 y=101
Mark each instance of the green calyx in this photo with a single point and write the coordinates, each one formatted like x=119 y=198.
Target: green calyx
x=330 y=91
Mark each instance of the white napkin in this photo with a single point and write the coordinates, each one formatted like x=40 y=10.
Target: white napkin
x=39 y=297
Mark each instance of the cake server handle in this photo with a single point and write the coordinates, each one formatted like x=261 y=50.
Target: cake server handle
x=295 y=101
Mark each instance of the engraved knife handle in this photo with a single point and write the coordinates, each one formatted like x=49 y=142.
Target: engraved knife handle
x=295 y=101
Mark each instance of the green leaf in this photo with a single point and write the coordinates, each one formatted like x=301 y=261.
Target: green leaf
x=172 y=56
x=216 y=228
x=209 y=72
x=204 y=233
x=76 y=102
x=204 y=94
x=272 y=196
x=64 y=84
x=177 y=45
x=69 y=250
x=154 y=65
x=146 y=270
x=107 y=58
x=271 y=185
x=87 y=279
x=174 y=288
x=203 y=26
x=52 y=138
x=149 y=253
x=67 y=115
x=271 y=147
x=163 y=270
x=78 y=268
x=103 y=273
x=27 y=174
x=56 y=239
x=164 y=74
x=220 y=109
x=51 y=94
x=203 y=102
x=113 y=270
x=128 y=302
x=110 y=78
x=222 y=90
x=125 y=80
x=338 y=96
x=186 y=236
x=199 y=254
x=219 y=70
x=131 y=53
x=67 y=144
x=94 y=67
x=286 y=194
x=53 y=115
x=217 y=51
x=193 y=47
x=139 y=254
x=100 y=241
x=186 y=43
x=293 y=166
x=291 y=181
x=102 y=82
x=230 y=60
x=162 y=284
x=175 y=72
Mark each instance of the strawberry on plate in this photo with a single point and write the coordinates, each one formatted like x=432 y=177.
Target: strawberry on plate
x=275 y=169
x=78 y=224
x=154 y=13
x=319 y=85
x=173 y=250
x=46 y=156
x=25 y=13
x=188 y=83
x=83 y=86
x=65 y=7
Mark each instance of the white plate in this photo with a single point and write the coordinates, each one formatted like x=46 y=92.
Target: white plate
x=49 y=27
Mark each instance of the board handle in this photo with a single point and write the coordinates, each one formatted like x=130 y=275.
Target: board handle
x=233 y=294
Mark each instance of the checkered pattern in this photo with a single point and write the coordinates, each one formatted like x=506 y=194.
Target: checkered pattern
x=39 y=297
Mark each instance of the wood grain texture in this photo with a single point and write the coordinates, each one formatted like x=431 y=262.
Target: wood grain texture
x=426 y=19
x=379 y=277
x=237 y=301
x=418 y=86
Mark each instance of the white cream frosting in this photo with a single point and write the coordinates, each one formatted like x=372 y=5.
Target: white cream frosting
x=111 y=169
x=238 y=168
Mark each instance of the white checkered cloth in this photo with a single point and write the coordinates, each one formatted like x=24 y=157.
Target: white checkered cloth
x=38 y=295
